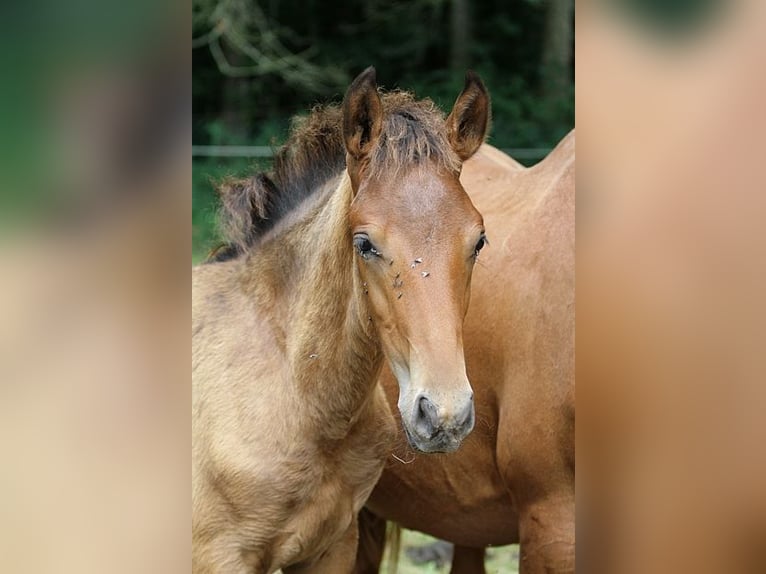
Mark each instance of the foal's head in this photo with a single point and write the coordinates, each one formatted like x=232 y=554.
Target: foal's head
x=417 y=236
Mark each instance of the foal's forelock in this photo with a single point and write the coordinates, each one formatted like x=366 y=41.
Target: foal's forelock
x=407 y=140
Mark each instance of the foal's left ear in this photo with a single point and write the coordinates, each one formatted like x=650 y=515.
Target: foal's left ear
x=362 y=115
x=468 y=122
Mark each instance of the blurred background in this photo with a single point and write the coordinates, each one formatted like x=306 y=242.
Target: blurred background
x=95 y=186
x=258 y=63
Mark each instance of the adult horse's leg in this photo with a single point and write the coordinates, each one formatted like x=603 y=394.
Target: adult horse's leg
x=539 y=471
x=467 y=560
x=546 y=526
x=372 y=543
x=547 y=536
x=339 y=558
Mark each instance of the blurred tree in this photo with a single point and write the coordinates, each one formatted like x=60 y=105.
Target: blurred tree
x=259 y=62
x=242 y=28
x=557 y=48
x=461 y=35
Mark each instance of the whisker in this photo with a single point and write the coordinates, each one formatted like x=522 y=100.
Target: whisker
x=405 y=461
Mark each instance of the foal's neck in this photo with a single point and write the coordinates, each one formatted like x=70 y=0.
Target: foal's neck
x=333 y=350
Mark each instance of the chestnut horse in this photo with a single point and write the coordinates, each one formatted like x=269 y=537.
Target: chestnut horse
x=360 y=245
x=513 y=479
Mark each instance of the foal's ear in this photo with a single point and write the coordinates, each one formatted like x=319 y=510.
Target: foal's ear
x=362 y=115
x=468 y=122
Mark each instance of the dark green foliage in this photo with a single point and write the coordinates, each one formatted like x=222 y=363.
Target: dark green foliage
x=674 y=19
x=408 y=41
x=409 y=44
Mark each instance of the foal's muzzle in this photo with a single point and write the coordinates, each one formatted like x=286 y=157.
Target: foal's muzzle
x=435 y=429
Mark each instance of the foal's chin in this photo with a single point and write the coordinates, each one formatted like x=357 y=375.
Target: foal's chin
x=441 y=442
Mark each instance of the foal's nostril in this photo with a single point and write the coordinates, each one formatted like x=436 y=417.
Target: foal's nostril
x=427 y=420
x=466 y=418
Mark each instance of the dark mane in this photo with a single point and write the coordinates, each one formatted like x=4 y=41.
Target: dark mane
x=413 y=131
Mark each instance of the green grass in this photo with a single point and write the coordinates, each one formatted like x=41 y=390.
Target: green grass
x=499 y=560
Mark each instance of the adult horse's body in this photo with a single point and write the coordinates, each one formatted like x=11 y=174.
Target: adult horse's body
x=360 y=245
x=513 y=478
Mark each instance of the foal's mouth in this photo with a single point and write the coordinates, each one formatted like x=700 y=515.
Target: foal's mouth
x=440 y=442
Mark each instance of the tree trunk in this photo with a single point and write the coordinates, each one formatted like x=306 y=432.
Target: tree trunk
x=234 y=100
x=460 y=25
x=557 y=48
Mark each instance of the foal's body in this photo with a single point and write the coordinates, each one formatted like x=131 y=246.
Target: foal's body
x=292 y=322
x=513 y=478
x=284 y=488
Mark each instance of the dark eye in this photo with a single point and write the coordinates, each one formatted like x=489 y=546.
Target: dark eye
x=480 y=245
x=364 y=246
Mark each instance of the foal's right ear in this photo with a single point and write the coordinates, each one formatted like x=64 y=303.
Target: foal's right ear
x=362 y=115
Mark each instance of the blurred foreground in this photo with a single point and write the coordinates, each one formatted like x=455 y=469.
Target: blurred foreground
x=95 y=173
x=671 y=273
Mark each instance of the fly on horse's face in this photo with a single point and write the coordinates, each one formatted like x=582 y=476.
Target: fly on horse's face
x=417 y=236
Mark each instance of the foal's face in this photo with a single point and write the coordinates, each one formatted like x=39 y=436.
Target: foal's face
x=417 y=236
x=417 y=240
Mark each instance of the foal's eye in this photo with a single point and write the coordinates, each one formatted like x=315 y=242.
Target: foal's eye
x=364 y=246
x=479 y=245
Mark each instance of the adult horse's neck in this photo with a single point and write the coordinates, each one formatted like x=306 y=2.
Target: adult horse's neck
x=333 y=351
